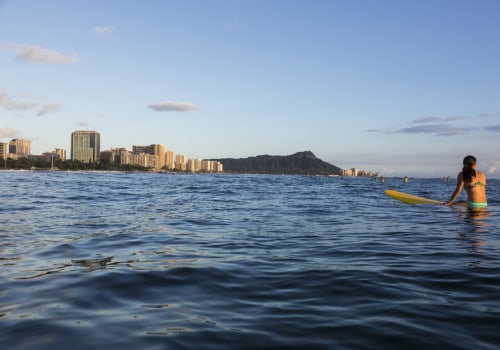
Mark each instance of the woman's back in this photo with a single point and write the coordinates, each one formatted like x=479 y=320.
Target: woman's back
x=476 y=189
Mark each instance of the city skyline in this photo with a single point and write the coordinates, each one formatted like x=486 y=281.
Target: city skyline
x=85 y=148
x=401 y=88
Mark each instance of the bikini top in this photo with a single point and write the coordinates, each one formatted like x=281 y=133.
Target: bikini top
x=477 y=183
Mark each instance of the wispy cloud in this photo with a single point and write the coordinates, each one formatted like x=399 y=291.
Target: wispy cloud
x=173 y=106
x=426 y=120
x=234 y=23
x=445 y=126
x=493 y=166
x=492 y=128
x=435 y=129
x=486 y=115
x=38 y=54
x=7 y=132
x=49 y=108
x=102 y=30
x=11 y=105
x=454 y=118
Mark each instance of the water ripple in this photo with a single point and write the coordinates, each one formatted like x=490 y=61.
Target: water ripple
x=242 y=262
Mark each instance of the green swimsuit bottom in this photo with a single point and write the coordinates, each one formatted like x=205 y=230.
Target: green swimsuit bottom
x=476 y=205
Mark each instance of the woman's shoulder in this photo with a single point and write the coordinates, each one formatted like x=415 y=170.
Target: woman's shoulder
x=481 y=176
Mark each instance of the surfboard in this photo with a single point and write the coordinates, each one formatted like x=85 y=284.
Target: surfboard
x=410 y=199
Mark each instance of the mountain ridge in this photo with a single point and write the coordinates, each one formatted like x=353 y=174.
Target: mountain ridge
x=300 y=163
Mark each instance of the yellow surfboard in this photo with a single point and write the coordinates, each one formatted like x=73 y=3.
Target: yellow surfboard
x=410 y=199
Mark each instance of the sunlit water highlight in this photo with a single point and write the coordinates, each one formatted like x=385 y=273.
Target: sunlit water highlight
x=160 y=261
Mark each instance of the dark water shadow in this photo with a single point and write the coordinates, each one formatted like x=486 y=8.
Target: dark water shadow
x=474 y=229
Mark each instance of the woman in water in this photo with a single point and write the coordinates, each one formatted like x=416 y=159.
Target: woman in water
x=474 y=182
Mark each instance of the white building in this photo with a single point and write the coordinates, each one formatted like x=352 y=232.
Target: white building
x=180 y=162
x=20 y=148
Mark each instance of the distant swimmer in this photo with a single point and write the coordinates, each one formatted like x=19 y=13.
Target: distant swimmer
x=474 y=182
x=405 y=179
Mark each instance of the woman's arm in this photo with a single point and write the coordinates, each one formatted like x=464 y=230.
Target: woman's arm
x=460 y=186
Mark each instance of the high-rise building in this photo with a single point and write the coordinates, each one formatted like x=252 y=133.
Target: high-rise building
x=60 y=152
x=159 y=150
x=154 y=150
x=190 y=166
x=169 y=159
x=86 y=146
x=20 y=148
x=180 y=162
x=4 y=150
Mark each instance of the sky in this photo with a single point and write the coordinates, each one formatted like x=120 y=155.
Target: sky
x=402 y=88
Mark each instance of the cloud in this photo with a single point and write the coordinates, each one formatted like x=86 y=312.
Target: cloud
x=426 y=120
x=435 y=129
x=446 y=126
x=437 y=119
x=487 y=115
x=493 y=167
x=49 y=108
x=102 y=30
x=234 y=23
x=11 y=105
x=444 y=129
x=173 y=106
x=492 y=128
x=10 y=133
x=38 y=54
x=454 y=118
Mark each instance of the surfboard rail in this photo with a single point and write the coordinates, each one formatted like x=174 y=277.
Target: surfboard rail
x=411 y=199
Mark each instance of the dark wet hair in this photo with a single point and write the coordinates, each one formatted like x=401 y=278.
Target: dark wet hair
x=468 y=172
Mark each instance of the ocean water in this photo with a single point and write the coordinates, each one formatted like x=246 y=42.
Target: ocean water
x=92 y=260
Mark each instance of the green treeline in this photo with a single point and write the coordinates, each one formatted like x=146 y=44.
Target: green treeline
x=25 y=163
